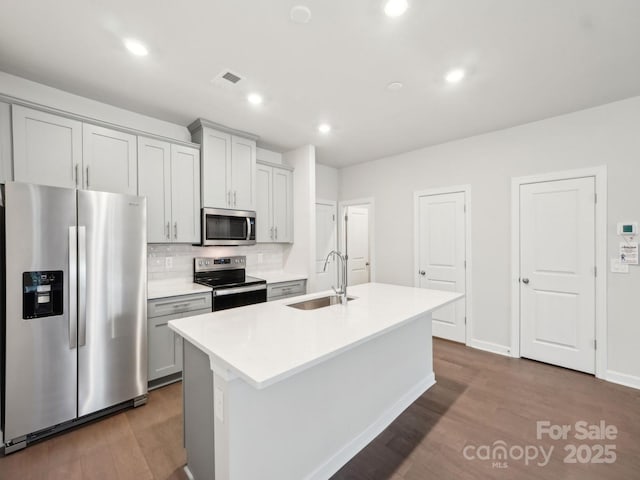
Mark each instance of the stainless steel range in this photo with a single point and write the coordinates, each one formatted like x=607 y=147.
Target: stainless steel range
x=231 y=286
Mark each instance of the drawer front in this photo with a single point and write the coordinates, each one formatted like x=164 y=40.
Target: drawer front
x=184 y=303
x=286 y=289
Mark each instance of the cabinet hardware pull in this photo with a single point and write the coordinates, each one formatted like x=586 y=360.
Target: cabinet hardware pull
x=168 y=230
x=271 y=234
x=276 y=233
x=229 y=197
x=175 y=230
x=235 y=198
x=76 y=174
x=87 y=176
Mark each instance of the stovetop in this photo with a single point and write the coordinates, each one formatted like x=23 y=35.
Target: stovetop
x=225 y=272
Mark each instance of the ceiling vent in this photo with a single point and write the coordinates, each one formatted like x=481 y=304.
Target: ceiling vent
x=231 y=77
x=226 y=78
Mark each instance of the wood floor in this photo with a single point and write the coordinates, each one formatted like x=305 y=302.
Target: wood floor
x=480 y=398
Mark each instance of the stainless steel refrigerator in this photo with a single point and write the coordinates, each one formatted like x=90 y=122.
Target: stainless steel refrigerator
x=74 y=307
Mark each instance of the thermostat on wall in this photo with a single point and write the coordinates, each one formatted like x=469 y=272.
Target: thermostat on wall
x=628 y=229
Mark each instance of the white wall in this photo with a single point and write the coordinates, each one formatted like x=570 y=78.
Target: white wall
x=607 y=135
x=23 y=89
x=326 y=183
x=300 y=258
x=268 y=155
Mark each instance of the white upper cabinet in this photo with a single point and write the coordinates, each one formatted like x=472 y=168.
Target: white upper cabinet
x=154 y=182
x=282 y=205
x=274 y=210
x=243 y=173
x=216 y=162
x=47 y=149
x=53 y=150
x=110 y=160
x=6 y=174
x=169 y=176
x=185 y=193
x=228 y=167
x=264 y=208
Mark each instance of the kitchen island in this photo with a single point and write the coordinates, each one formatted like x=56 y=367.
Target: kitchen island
x=274 y=392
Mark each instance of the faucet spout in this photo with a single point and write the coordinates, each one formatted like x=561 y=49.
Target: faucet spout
x=342 y=291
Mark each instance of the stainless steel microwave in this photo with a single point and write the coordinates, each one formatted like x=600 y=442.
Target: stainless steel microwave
x=221 y=226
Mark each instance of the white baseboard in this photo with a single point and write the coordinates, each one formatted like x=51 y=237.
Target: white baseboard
x=622 y=379
x=490 y=347
x=346 y=453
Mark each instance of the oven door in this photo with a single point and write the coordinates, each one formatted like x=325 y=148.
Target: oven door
x=225 y=298
x=228 y=227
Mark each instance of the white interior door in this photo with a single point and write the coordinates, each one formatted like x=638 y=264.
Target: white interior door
x=326 y=238
x=557 y=272
x=442 y=258
x=357 y=245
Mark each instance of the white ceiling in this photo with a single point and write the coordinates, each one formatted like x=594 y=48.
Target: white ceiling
x=527 y=60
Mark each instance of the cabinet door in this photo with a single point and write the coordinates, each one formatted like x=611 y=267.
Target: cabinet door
x=154 y=182
x=282 y=205
x=110 y=160
x=216 y=160
x=243 y=173
x=185 y=194
x=165 y=351
x=47 y=149
x=264 y=224
x=6 y=175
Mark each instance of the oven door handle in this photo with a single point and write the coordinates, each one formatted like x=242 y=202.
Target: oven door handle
x=235 y=290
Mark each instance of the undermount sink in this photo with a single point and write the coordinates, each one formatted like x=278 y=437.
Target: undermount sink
x=318 y=302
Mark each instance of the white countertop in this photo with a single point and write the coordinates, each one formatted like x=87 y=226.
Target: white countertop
x=172 y=288
x=278 y=276
x=268 y=342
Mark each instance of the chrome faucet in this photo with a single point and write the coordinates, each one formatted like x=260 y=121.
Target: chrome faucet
x=342 y=292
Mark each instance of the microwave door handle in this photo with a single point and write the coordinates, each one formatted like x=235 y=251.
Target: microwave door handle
x=248 y=228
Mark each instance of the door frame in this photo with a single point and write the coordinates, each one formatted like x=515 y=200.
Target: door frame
x=600 y=176
x=369 y=202
x=466 y=189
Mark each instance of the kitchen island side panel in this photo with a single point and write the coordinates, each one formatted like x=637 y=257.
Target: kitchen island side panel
x=309 y=425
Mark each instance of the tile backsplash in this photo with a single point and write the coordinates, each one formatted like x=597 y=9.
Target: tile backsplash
x=175 y=261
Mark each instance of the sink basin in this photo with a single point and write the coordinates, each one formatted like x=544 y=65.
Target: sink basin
x=318 y=302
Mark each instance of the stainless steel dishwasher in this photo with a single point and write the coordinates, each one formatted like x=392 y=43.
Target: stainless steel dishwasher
x=165 y=347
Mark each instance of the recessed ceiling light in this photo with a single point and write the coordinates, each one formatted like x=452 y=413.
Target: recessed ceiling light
x=255 y=98
x=324 y=128
x=300 y=14
x=395 y=86
x=136 y=47
x=454 y=76
x=395 y=8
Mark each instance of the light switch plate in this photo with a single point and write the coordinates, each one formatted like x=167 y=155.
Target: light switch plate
x=617 y=267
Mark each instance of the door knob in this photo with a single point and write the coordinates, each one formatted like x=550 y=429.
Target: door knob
x=525 y=281
x=422 y=272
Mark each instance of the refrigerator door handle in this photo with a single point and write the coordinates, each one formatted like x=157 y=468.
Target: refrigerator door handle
x=73 y=287
x=82 y=282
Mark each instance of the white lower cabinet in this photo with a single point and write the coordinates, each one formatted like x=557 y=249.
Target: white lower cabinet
x=169 y=176
x=164 y=346
x=280 y=290
x=274 y=209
